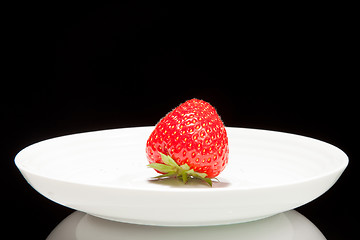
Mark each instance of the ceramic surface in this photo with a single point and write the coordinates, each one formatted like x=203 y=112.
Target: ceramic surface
x=104 y=173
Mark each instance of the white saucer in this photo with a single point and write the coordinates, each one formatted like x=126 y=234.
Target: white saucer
x=290 y=225
x=104 y=173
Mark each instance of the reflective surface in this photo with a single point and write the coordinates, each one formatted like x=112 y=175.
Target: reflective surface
x=290 y=225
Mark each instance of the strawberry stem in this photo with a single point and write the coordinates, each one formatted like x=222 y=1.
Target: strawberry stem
x=171 y=169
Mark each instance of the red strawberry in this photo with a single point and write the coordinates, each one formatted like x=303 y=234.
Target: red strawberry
x=190 y=141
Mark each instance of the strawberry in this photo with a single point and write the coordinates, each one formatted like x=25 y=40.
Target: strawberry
x=189 y=142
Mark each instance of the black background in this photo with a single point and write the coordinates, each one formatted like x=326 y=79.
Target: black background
x=84 y=67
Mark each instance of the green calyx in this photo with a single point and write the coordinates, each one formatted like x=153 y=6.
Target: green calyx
x=171 y=169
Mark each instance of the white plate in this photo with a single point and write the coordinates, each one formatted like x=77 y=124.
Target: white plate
x=290 y=225
x=104 y=173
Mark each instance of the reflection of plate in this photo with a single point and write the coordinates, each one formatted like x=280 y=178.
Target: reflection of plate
x=104 y=173
x=285 y=226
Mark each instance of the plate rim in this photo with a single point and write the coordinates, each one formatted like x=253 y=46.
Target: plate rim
x=338 y=170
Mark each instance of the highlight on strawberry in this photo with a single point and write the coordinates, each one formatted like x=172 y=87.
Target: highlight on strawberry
x=189 y=142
